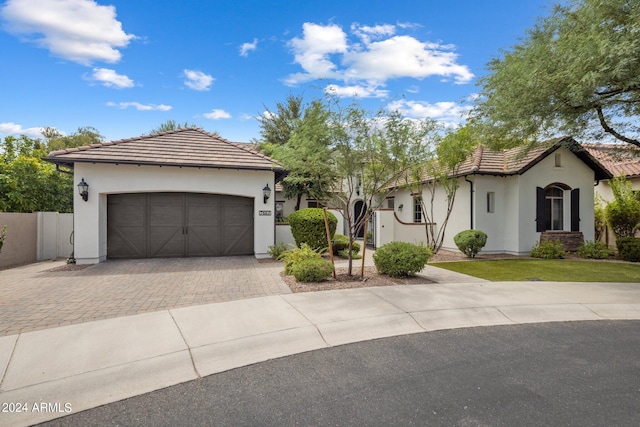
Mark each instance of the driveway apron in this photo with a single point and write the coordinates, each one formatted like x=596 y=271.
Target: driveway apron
x=45 y=295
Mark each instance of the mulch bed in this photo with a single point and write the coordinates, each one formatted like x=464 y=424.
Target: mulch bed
x=344 y=281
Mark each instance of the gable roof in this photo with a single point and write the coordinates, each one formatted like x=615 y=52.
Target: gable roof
x=190 y=147
x=619 y=159
x=517 y=161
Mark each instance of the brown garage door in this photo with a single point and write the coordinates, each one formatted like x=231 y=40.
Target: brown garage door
x=150 y=225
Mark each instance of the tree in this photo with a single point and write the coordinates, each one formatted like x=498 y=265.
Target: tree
x=170 y=125
x=623 y=212
x=439 y=174
x=298 y=135
x=27 y=183
x=276 y=127
x=577 y=72
x=370 y=154
x=84 y=136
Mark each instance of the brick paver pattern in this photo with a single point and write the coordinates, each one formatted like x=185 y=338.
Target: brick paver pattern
x=33 y=298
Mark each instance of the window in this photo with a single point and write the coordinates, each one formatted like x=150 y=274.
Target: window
x=391 y=203
x=279 y=210
x=315 y=204
x=554 y=208
x=558 y=160
x=417 y=209
x=491 y=202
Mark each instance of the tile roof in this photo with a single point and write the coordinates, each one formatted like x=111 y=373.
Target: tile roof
x=517 y=161
x=190 y=147
x=619 y=159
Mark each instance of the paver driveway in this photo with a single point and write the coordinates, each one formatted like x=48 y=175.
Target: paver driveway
x=34 y=297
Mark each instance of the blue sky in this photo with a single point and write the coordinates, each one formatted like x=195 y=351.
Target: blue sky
x=126 y=66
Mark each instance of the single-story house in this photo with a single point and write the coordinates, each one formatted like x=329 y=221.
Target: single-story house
x=517 y=198
x=174 y=194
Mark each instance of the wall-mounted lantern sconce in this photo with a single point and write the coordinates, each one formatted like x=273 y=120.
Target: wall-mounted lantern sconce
x=83 y=189
x=400 y=207
x=266 y=192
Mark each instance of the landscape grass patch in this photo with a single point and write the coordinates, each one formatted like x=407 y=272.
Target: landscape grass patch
x=550 y=270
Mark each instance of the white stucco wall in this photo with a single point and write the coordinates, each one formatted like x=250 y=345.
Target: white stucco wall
x=416 y=233
x=512 y=226
x=604 y=188
x=573 y=173
x=91 y=216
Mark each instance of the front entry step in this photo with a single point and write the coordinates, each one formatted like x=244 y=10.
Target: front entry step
x=570 y=240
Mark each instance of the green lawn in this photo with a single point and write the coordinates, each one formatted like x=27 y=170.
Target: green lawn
x=548 y=270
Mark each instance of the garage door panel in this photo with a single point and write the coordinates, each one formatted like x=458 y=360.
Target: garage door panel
x=165 y=216
x=238 y=240
x=178 y=225
x=127 y=242
x=237 y=215
x=204 y=241
x=166 y=241
x=201 y=199
x=203 y=216
x=126 y=226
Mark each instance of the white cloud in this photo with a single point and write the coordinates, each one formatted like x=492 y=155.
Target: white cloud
x=245 y=48
x=409 y=25
x=217 y=114
x=325 y=52
x=110 y=78
x=16 y=129
x=140 y=107
x=197 y=80
x=367 y=33
x=81 y=31
x=314 y=49
x=356 y=91
x=404 y=56
x=448 y=113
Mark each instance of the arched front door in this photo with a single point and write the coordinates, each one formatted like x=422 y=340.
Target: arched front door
x=360 y=210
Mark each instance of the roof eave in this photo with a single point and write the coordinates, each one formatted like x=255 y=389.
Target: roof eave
x=70 y=163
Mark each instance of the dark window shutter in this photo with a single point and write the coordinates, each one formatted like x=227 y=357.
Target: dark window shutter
x=575 y=209
x=540 y=199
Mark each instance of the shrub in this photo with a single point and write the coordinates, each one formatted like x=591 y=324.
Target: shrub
x=277 y=250
x=623 y=213
x=340 y=243
x=549 y=249
x=312 y=270
x=345 y=254
x=629 y=248
x=401 y=259
x=307 y=226
x=470 y=242
x=594 y=249
x=296 y=256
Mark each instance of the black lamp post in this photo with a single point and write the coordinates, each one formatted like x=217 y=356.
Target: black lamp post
x=83 y=189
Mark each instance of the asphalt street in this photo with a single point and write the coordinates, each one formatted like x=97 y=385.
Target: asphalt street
x=548 y=374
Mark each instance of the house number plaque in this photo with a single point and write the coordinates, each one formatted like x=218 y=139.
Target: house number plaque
x=265 y=213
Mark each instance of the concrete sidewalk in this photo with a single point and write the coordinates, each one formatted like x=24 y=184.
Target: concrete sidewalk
x=49 y=373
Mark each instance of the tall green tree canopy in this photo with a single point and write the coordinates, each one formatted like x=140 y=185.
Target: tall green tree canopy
x=29 y=184
x=170 y=125
x=85 y=135
x=298 y=135
x=577 y=72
